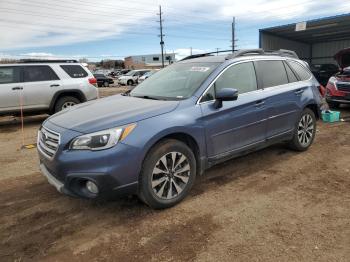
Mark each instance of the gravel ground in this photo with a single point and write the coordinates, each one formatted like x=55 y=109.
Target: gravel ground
x=272 y=205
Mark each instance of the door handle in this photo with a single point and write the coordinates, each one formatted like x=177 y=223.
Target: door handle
x=17 y=88
x=260 y=103
x=54 y=85
x=299 y=92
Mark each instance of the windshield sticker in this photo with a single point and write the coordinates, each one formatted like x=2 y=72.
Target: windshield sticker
x=199 y=69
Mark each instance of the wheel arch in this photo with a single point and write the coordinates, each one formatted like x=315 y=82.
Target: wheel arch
x=314 y=108
x=69 y=92
x=184 y=137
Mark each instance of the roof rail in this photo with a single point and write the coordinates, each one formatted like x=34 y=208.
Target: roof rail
x=205 y=54
x=33 y=61
x=250 y=52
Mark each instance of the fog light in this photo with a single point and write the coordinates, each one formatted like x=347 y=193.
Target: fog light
x=92 y=187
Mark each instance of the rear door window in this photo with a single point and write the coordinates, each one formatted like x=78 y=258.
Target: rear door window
x=9 y=75
x=74 y=71
x=272 y=73
x=300 y=70
x=38 y=73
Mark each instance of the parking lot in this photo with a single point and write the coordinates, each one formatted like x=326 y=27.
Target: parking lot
x=272 y=205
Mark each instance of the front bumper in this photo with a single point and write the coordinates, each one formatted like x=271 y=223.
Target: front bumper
x=68 y=171
x=339 y=99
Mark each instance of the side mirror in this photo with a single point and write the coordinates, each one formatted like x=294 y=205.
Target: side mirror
x=225 y=94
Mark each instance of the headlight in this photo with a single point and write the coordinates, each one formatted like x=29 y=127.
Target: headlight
x=102 y=139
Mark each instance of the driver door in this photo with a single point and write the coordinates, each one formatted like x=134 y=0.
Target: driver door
x=239 y=124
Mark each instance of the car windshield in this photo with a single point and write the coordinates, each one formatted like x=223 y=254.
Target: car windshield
x=177 y=81
x=130 y=73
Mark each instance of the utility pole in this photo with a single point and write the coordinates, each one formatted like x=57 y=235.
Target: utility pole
x=233 y=34
x=191 y=49
x=217 y=51
x=161 y=34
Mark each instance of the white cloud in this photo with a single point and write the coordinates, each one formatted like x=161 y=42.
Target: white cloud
x=183 y=52
x=40 y=23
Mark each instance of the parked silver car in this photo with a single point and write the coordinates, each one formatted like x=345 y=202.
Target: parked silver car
x=48 y=86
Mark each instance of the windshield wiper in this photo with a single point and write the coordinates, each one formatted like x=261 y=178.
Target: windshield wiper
x=148 y=97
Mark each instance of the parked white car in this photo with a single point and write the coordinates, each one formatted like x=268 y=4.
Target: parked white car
x=132 y=77
x=147 y=75
x=44 y=86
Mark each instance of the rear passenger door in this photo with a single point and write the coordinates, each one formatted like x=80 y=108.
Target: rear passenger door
x=238 y=124
x=40 y=84
x=280 y=88
x=10 y=88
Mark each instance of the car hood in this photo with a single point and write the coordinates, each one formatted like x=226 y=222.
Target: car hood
x=343 y=58
x=110 y=112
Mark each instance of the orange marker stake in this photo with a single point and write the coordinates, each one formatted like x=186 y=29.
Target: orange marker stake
x=22 y=119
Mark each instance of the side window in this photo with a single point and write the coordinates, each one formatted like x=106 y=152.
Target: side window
x=300 y=70
x=38 y=73
x=272 y=73
x=291 y=76
x=74 y=71
x=9 y=75
x=241 y=77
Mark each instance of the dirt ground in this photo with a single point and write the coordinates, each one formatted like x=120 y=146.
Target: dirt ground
x=272 y=205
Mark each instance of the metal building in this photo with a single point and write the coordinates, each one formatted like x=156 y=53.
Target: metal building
x=315 y=41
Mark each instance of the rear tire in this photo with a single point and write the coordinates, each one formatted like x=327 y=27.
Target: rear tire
x=105 y=84
x=305 y=131
x=168 y=174
x=65 y=102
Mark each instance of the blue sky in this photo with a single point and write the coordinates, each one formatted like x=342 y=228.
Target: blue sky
x=114 y=29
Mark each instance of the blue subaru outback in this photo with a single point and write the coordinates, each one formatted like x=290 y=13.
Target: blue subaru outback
x=155 y=140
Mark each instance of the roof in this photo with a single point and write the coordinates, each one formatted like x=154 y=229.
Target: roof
x=318 y=30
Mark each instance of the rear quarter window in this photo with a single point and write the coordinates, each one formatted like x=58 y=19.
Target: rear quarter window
x=75 y=71
x=300 y=70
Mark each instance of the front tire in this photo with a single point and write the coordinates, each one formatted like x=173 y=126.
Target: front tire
x=305 y=131
x=130 y=83
x=106 y=84
x=168 y=174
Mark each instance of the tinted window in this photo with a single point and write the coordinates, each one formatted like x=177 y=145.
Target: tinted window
x=272 y=73
x=241 y=77
x=9 y=75
x=301 y=71
x=291 y=76
x=74 y=71
x=38 y=73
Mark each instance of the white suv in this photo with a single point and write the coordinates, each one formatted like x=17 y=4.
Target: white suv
x=132 y=77
x=44 y=86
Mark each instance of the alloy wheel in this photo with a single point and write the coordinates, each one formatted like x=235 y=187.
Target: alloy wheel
x=68 y=104
x=306 y=130
x=171 y=175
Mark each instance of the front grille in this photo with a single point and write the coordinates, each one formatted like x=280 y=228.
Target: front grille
x=48 y=142
x=343 y=87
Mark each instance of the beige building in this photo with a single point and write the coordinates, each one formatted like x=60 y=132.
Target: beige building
x=153 y=61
